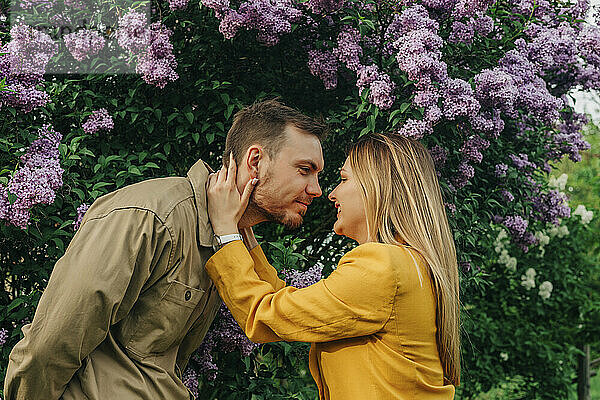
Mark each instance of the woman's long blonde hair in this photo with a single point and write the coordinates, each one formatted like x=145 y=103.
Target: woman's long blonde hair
x=403 y=204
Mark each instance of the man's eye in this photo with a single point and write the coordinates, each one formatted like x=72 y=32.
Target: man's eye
x=304 y=170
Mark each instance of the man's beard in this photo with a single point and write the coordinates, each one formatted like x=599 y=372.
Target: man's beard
x=261 y=205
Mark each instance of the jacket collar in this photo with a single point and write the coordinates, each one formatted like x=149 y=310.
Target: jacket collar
x=198 y=175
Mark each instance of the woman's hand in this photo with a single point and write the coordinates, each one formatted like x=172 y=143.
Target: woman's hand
x=225 y=204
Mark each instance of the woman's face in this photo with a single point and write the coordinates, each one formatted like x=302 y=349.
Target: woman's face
x=351 y=217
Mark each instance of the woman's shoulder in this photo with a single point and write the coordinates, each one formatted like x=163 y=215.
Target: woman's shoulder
x=389 y=254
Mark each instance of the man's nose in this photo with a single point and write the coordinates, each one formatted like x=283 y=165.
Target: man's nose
x=313 y=188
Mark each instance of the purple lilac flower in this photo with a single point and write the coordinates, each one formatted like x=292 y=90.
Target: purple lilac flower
x=81 y=210
x=553 y=49
x=415 y=129
x=348 y=50
x=516 y=225
x=464 y=174
x=459 y=100
x=432 y=114
x=231 y=23
x=551 y=206
x=3 y=336
x=483 y=25
x=472 y=147
x=501 y=170
x=451 y=207
x=133 y=33
x=23 y=65
x=190 y=380
x=178 y=4
x=507 y=196
x=157 y=64
x=302 y=279
x=569 y=138
x=469 y=8
x=488 y=122
x=36 y=180
x=98 y=121
x=324 y=6
x=439 y=155
x=323 y=65
x=380 y=86
x=495 y=89
x=224 y=335
x=521 y=161
x=84 y=43
x=461 y=33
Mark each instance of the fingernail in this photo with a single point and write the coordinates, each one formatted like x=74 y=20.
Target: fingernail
x=254 y=181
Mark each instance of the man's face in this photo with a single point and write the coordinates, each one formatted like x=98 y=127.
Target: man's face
x=289 y=182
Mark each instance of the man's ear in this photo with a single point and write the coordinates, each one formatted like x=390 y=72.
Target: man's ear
x=254 y=156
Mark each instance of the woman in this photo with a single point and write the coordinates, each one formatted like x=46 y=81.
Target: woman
x=385 y=323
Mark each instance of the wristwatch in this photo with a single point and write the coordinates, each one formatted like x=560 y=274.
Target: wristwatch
x=223 y=240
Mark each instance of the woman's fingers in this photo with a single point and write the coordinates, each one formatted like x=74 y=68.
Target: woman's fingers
x=231 y=171
x=247 y=192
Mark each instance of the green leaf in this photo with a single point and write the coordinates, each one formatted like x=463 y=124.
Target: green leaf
x=190 y=117
x=134 y=170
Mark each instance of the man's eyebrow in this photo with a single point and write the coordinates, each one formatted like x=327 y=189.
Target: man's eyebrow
x=309 y=162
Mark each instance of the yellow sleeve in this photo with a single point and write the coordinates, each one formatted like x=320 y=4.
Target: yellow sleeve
x=93 y=286
x=264 y=270
x=355 y=300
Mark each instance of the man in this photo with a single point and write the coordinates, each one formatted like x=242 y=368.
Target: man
x=130 y=300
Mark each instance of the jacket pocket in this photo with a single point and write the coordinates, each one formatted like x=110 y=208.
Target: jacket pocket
x=161 y=317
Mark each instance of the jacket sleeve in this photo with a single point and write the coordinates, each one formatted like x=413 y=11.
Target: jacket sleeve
x=93 y=286
x=264 y=270
x=355 y=300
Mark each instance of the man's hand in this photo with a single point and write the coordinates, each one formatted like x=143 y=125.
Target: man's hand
x=225 y=204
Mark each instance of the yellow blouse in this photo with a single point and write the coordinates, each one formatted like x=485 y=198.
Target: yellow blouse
x=371 y=322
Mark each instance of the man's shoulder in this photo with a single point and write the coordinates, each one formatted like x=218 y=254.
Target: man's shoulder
x=159 y=196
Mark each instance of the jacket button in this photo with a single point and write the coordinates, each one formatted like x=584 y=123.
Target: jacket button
x=188 y=295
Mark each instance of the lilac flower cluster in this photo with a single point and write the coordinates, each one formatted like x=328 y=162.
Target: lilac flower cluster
x=190 y=380
x=439 y=155
x=323 y=65
x=35 y=181
x=81 y=210
x=157 y=64
x=271 y=19
x=302 y=279
x=380 y=86
x=521 y=161
x=84 y=43
x=551 y=206
x=459 y=100
x=3 y=336
x=324 y=6
x=517 y=226
x=348 y=50
x=178 y=4
x=23 y=65
x=98 y=121
x=156 y=61
x=472 y=148
x=569 y=139
x=464 y=32
x=133 y=33
x=226 y=336
x=501 y=170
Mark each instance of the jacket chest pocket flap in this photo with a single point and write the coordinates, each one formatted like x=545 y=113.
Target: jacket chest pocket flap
x=161 y=322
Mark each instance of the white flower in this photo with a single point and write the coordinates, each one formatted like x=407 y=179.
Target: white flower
x=543 y=239
x=504 y=356
x=558 y=183
x=512 y=264
x=530 y=273
x=563 y=231
x=545 y=290
x=586 y=216
x=528 y=280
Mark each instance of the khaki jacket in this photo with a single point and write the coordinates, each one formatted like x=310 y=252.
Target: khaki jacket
x=371 y=322
x=128 y=302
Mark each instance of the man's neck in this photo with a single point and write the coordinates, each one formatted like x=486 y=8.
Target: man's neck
x=251 y=217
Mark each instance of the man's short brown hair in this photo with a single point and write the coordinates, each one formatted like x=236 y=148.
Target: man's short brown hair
x=264 y=123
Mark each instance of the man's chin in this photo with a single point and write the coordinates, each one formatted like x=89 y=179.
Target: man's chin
x=292 y=221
